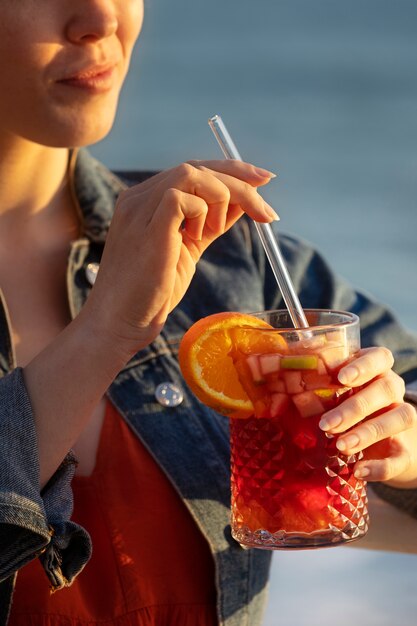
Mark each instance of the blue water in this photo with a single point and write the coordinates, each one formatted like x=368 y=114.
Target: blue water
x=323 y=92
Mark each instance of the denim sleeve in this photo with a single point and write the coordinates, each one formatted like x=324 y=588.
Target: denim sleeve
x=319 y=287
x=34 y=523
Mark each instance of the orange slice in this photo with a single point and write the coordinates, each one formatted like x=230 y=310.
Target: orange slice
x=207 y=367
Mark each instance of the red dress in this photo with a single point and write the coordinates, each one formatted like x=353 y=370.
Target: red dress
x=151 y=566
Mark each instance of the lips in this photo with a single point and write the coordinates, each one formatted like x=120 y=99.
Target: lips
x=98 y=77
x=89 y=72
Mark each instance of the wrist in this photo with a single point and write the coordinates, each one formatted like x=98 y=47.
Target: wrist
x=115 y=341
x=97 y=340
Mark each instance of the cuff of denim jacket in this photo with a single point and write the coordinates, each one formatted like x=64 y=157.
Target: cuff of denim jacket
x=24 y=531
x=21 y=541
x=70 y=547
x=66 y=555
x=31 y=521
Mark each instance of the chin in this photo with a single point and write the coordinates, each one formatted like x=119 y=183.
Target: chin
x=82 y=135
x=76 y=127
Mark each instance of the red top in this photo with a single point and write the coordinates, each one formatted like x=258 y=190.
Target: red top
x=151 y=566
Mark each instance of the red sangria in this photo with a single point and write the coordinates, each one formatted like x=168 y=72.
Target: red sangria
x=291 y=487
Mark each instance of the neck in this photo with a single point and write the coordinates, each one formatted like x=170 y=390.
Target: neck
x=32 y=177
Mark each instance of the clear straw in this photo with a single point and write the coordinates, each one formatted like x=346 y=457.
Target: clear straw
x=265 y=233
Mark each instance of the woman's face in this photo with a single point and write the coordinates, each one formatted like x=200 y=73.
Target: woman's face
x=62 y=64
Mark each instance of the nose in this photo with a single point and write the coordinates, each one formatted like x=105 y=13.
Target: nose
x=91 y=21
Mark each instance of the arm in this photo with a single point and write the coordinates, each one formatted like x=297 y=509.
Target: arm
x=158 y=233
x=159 y=230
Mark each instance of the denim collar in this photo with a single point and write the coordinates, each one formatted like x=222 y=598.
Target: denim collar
x=94 y=190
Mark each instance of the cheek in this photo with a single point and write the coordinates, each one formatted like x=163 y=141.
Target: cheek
x=130 y=24
x=22 y=69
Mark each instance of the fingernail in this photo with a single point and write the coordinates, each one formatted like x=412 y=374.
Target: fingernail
x=331 y=421
x=348 y=442
x=271 y=212
x=348 y=375
x=265 y=173
x=362 y=472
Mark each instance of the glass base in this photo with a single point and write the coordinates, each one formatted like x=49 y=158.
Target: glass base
x=282 y=540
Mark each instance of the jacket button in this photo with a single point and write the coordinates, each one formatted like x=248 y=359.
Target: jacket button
x=169 y=394
x=91 y=272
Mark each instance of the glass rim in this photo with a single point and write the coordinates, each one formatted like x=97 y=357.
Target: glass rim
x=351 y=319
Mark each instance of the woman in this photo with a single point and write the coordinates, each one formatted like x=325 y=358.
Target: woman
x=75 y=358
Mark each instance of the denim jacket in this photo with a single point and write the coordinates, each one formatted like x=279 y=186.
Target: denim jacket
x=189 y=441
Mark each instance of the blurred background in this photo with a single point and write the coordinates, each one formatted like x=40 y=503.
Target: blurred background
x=323 y=92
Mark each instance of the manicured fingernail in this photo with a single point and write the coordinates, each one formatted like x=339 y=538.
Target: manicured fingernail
x=362 y=472
x=265 y=173
x=270 y=212
x=348 y=375
x=348 y=442
x=331 y=421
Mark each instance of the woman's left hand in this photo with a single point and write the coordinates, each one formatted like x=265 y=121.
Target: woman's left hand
x=376 y=420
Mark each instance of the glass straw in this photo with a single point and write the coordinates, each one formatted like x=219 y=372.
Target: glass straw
x=265 y=233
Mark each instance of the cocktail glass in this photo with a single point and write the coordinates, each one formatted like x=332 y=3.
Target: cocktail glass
x=291 y=487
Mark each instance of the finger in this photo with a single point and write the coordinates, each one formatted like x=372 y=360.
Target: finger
x=195 y=210
x=370 y=363
x=177 y=206
x=216 y=220
x=247 y=172
x=234 y=213
x=382 y=392
x=387 y=468
x=246 y=196
x=184 y=177
x=243 y=194
x=217 y=190
x=255 y=176
x=204 y=185
x=222 y=190
x=400 y=418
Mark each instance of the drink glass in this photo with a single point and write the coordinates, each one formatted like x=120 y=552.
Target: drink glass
x=291 y=487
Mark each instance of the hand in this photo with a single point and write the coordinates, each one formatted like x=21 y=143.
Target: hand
x=376 y=420
x=159 y=231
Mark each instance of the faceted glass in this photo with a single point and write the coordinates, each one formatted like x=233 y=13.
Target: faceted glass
x=291 y=487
